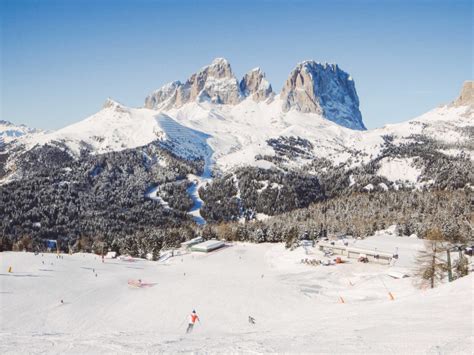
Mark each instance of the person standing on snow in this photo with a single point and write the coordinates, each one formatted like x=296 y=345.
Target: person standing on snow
x=193 y=317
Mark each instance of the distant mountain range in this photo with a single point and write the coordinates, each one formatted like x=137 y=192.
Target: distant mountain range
x=9 y=131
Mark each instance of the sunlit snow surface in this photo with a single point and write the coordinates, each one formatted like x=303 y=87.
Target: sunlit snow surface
x=297 y=307
x=399 y=169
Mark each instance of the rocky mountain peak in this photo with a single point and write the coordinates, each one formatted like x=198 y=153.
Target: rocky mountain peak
x=214 y=83
x=466 y=98
x=324 y=89
x=110 y=103
x=255 y=85
x=114 y=105
x=219 y=68
x=164 y=96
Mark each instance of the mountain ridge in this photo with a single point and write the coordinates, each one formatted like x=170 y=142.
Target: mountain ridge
x=239 y=133
x=311 y=87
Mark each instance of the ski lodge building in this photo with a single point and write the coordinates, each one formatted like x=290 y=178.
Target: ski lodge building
x=208 y=246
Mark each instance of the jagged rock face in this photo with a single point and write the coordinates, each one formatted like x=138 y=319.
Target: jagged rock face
x=324 y=89
x=312 y=87
x=163 y=96
x=215 y=83
x=254 y=85
x=466 y=98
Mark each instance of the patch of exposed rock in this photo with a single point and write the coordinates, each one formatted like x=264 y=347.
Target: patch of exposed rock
x=255 y=85
x=466 y=98
x=214 y=83
x=323 y=89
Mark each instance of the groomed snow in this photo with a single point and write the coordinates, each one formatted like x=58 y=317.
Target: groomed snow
x=297 y=307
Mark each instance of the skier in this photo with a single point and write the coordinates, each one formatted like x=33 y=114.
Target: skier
x=251 y=320
x=193 y=317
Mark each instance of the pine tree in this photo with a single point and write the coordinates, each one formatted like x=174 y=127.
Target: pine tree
x=431 y=265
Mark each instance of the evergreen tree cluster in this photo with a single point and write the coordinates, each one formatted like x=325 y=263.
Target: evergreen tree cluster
x=89 y=199
x=362 y=214
x=95 y=196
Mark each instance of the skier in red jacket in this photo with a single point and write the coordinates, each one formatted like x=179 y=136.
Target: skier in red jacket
x=193 y=317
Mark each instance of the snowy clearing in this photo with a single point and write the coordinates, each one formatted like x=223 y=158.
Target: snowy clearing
x=152 y=194
x=297 y=307
x=399 y=169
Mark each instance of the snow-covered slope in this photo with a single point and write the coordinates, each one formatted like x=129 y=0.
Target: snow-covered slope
x=117 y=127
x=297 y=307
x=239 y=133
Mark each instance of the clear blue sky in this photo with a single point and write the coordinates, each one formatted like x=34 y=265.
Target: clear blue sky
x=60 y=60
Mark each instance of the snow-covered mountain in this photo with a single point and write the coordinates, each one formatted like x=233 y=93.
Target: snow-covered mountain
x=243 y=122
x=215 y=83
x=312 y=87
x=239 y=134
x=117 y=127
x=10 y=131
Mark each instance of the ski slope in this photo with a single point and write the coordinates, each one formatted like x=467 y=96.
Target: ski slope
x=187 y=143
x=196 y=183
x=297 y=307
